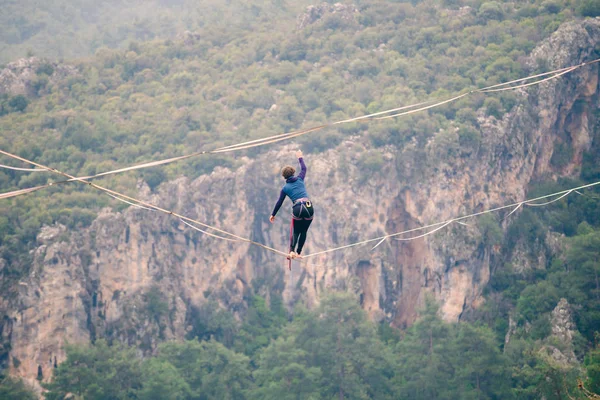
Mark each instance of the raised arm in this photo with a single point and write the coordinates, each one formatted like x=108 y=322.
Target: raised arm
x=302 y=173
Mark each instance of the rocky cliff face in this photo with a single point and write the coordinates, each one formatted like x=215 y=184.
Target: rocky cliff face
x=563 y=331
x=312 y=14
x=102 y=281
x=21 y=77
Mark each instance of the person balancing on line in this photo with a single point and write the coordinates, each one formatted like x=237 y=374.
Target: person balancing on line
x=302 y=209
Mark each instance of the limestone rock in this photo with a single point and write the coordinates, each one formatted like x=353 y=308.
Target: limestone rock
x=189 y=38
x=314 y=13
x=562 y=322
x=560 y=344
x=18 y=77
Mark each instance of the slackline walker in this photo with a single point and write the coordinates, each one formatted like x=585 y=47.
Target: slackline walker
x=302 y=208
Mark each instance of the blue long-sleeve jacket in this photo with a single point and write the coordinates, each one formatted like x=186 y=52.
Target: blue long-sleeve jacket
x=294 y=188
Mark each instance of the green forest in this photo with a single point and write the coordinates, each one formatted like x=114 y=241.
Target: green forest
x=135 y=91
x=333 y=351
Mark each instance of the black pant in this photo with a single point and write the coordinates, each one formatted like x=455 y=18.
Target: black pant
x=302 y=217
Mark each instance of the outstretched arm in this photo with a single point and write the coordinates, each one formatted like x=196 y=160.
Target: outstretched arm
x=278 y=205
x=302 y=173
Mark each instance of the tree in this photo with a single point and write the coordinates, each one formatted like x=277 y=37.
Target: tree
x=210 y=321
x=15 y=389
x=210 y=369
x=481 y=370
x=161 y=381
x=19 y=103
x=425 y=368
x=491 y=10
x=538 y=299
x=97 y=372
x=340 y=340
x=582 y=281
x=226 y=374
x=262 y=324
x=438 y=360
x=589 y=8
x=592 y=366
x=284 y=373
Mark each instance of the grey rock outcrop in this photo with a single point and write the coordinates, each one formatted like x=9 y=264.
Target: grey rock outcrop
x=18 y=77
x=559 y=348
x=562 y=322
x=312 y=14
x=189 y=38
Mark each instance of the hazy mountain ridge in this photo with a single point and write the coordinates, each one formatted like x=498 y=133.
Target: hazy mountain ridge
x=60 y=30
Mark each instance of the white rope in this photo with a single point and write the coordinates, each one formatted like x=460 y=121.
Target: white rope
x=529 y=77
x=286 y=136
x=266 y=140
x=425 y=108
x=527 y=84
x=381 y=113
x=587 y=195
x=130 y=203
x=415 y=237
x=20 y=192
x=437 y=224
x=207 y=233
x=513 y=211
x=425 y=234
x=378 y=243
x=143 y=203
x=145 y=165
x=23 y=169
x=548 y=202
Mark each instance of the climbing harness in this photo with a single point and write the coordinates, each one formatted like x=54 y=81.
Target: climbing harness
x=305 y=204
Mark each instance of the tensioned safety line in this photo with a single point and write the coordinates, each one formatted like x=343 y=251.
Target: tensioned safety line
x=437 y=225
x=130 y=203
x=207 y=233
x=370 y=117
x=416 y=237
x=123 y=197
x=20 y=192
x=23 y=169
x=457 y=220
x=588 y=195
x=33 y=189
x=528 y=84
x=549 y=202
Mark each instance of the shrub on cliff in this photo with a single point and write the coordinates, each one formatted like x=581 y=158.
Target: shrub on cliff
x=15 y=389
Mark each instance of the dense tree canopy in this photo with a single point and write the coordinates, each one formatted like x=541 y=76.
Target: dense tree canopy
x=333 y=351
